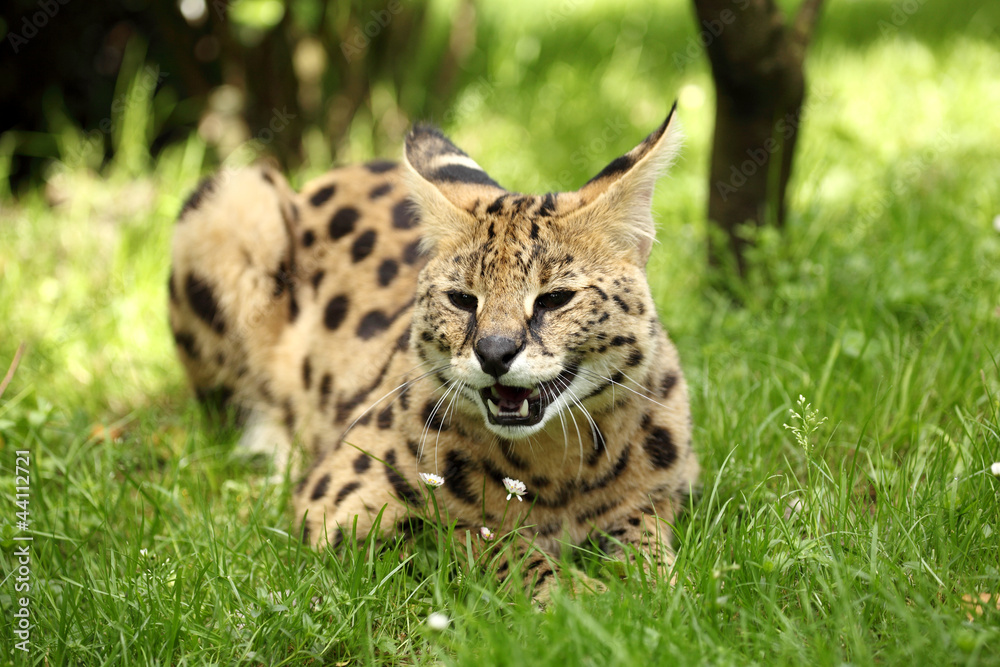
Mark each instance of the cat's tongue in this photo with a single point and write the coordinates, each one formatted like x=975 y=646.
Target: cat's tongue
x=510 y=397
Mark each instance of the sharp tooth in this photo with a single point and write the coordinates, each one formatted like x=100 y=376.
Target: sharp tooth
x=523 y=412
x=535 y=393
x=494 y=410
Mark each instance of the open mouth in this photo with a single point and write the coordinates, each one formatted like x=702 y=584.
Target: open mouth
x=507 y=405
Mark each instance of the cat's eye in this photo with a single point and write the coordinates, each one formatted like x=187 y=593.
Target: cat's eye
x=553 y=300
x=463 y=301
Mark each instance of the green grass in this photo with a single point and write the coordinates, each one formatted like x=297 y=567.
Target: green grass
x=854 y=543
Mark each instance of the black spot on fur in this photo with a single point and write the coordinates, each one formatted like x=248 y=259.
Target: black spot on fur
x=543 y=576
x=534 y=230
x=380 y=166
x=497 y=205
x=336 y=311
x=289 y=418
x=634 y=359
x=594 y=512
x=185 y=341
x=204 y=188
x=618 y=341
x=380 y=191
x=203 y=303
x=321 y=486
x=403 y=216
x=549 y=529
x=384 y=420
x=620 y=465
x=343 y=221
x=372 y=324
x=597 y=391
x=267 y=177
x=659 y=446
x=634 y=521
x=411 y=253
x=667 y=385
x=347 y=490
x=306 y=373
x=597 y=454
x=621 y=304
x=308 y=238
x=535 y=564
x=363 y=245
x=403 y=342
x=402 y=488
x=600 y=292
x=325 y=387
x=387 y=271
x=507 y=449
x=216 y=399
x=322 y=195
x=317 y=279
x=456 y=477
x=548 y=205
x=362 y=463
x=282 y=279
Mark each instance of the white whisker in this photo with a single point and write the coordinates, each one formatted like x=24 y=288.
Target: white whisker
x=399 y=388
x=613 y=383
x=451 y=404
x=595 y=431
x=430 y=417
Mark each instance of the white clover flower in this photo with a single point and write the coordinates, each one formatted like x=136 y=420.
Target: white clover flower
x=438 y=621
x=515 y=487
x=431 y=480
x=487 y=533
x=995 y=468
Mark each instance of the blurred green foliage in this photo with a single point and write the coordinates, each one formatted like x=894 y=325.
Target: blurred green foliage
x=312 y=83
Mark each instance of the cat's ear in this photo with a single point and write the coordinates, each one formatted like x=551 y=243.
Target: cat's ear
x=446 y=185
x=618 y=201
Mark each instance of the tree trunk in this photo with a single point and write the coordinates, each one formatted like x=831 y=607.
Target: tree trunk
x=756 y=63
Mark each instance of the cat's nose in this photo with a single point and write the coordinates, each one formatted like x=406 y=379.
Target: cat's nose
x=497 y=353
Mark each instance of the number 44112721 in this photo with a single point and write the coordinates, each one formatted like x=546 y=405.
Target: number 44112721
x=22 y=483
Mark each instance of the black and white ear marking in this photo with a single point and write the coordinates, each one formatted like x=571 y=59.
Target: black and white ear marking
x=621 y=195
x=445 y=183
x=662 y=145
x=433 y=156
